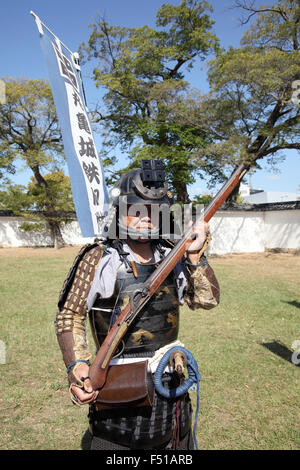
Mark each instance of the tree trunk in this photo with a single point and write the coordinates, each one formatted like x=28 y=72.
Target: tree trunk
x=181 y=190
x=234 y=195
x=56 y=234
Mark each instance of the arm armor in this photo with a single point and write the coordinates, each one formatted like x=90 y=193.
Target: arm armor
x=70 y=320
x=203 y=289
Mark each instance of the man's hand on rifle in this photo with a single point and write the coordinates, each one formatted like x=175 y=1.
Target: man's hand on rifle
x=81 y=389
x=201 y=231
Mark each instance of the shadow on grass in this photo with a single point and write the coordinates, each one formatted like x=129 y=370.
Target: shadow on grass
x=295 y=303
x=280 y=350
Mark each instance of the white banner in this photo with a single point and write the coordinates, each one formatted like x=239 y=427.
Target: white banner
x=85 y=169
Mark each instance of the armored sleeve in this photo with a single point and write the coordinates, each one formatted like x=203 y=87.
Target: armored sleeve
x=70 y=320
x=203 y=289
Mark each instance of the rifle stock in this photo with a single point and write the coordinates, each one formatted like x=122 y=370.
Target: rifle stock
x=99 y=367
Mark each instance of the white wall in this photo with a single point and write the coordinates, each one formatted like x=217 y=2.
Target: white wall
x=12 y=235
x=232 y=232
x=72 y=234
x=237 y=232
x=282 y=229
x=246 y=232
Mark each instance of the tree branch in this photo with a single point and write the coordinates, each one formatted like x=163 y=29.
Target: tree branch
x=103 y=27
x=254 y=11
x=271 y=150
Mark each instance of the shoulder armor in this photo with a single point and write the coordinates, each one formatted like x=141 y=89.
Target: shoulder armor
x=71 y=274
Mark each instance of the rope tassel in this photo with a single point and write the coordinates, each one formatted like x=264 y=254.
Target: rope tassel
x=193 y=379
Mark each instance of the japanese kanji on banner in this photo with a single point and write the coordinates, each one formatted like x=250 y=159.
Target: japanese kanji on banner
x=85 y=169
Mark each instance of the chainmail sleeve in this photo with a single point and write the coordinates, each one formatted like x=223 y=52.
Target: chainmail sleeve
x=70 y=322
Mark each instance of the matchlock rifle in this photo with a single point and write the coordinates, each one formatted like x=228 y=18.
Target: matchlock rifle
x=99 y=367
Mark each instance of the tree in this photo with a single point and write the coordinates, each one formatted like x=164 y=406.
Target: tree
x=29 y=131
x=6 y=168
x=251 y=111
x=142 y=70
x=32 y=202
x=203 y=199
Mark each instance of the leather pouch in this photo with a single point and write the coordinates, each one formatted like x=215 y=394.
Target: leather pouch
x=126 y=385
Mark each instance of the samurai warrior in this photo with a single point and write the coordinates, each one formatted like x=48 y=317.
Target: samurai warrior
x=99 y=283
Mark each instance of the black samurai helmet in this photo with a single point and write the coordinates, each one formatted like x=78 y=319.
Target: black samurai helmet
x=142 y=186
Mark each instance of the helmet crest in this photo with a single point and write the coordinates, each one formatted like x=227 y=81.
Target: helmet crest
x=145 y=185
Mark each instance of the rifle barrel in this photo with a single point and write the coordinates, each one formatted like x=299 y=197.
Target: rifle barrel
x=170 y=261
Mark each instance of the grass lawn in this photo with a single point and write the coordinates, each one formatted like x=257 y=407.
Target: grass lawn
x=249 y=392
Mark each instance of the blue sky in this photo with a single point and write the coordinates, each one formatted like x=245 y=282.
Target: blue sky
x=21 y=55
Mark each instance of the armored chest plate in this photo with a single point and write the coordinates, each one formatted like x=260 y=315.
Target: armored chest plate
x=156 y=325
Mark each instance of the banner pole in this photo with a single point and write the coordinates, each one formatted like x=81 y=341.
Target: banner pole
x=39 y=22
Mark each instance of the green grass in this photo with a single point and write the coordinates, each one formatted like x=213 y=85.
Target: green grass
x=249 y=393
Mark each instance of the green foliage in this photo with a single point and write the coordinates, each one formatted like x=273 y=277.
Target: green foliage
x=48 y=204
x=6 y=168
x=142 y=70
x=32 y=227
x=150 y=111
x=29 y=132
x=204 y=199
x=239 y=199
x=249 y=113
x=249 y=110
x=14 y=197
x=28 y=124
x=58 y=191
